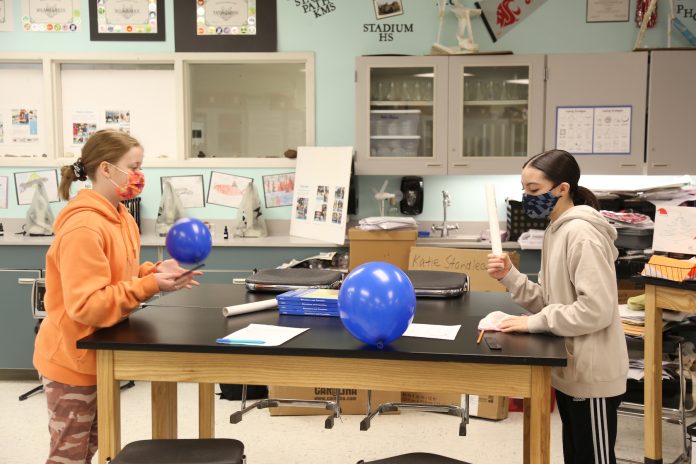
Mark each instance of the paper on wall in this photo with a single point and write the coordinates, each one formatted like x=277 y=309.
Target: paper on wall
x=320 y=198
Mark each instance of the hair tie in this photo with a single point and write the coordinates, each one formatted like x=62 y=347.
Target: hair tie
x=79 y=170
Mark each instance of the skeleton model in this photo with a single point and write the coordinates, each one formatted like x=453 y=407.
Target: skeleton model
x=465 y=35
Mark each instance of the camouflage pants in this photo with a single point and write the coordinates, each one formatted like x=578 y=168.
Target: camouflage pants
x=72 y=422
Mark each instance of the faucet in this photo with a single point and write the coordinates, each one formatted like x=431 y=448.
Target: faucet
x=444 y=228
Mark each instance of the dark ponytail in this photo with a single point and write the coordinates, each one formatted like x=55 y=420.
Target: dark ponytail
x=560 y=166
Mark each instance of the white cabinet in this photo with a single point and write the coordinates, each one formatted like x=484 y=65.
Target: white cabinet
x=435 y=115
x=671 y=102
x=401 y=115
x=595 y=109
x=496 y=113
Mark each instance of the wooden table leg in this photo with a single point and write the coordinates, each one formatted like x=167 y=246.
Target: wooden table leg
x=206 y=410
x=164 y=410
x=527 y=414
x=653 y=378
x=540 y=416
x=108 y=407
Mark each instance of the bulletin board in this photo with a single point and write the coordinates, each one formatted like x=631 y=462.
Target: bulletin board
x=138 y=99
x=23 y=128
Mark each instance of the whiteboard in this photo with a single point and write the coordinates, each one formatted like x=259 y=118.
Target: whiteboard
x=139 y=99
x=22 y=93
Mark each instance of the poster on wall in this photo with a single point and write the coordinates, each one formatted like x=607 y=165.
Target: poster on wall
x=226 y=189
x=278 y=188
x=119 y=119
x=319 y=203
x=83 y=124
x=3 y=191
x=6 y=17
x=126 y=20
x=51 y=15
x=590 y=130
x=225 y=26
x=25 y=183
x=188 y=188
x=25 y=125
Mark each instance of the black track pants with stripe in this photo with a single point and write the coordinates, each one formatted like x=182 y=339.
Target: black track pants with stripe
x=589 y=428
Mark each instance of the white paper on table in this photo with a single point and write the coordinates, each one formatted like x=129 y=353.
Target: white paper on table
x=442 y=332
x=249 y=307
x=262 y=335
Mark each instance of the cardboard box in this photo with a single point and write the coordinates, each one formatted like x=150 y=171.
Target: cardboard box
x=470 y=262
x=390 y=246
x=486 y=407
x=628 y=288
x=353 y=401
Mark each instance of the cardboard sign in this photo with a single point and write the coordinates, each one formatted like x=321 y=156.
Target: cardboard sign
x=466 y=261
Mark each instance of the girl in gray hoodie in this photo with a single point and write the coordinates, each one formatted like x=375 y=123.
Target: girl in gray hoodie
x=575 y=298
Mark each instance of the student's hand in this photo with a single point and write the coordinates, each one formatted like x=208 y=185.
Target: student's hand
x=498 y=266
x=170 y=266
x=514 y=324
x=170 y=282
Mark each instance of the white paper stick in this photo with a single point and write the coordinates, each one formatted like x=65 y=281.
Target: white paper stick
x=249 y=307
x=493 y=224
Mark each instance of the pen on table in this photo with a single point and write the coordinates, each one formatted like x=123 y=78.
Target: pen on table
x=480 y=337
x=230 y=341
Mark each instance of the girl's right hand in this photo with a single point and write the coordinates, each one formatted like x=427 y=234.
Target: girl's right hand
x=498 y=266
x=170 y=282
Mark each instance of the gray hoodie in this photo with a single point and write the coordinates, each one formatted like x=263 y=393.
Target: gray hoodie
x=576 y=298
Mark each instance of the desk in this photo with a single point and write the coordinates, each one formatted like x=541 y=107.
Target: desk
x=170 y=344
x=659 y=294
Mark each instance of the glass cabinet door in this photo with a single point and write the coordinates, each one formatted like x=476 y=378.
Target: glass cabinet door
x=397 y=115
x=495 y=113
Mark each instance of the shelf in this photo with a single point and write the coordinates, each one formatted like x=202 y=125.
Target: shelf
x=401 y=103
x=495 y=102
x=395 y=137
x=395 y=111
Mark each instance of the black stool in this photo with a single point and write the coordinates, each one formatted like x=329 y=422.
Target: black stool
x=415 y=458
x=184 y=451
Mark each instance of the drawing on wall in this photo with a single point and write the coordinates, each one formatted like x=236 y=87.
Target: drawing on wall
x=3 y=191
x=278 y=188
x=388 y=8
x=6 y=16
x=226 y=189
x=51 y=15
x=25 y=125
x=126 y=20
x=25 y=183
x=188 y=188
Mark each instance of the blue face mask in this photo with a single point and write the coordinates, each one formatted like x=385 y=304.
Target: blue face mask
x=539 y=206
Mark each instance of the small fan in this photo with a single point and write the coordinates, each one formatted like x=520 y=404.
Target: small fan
x=383 y=195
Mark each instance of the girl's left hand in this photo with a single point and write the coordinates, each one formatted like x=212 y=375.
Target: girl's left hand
x=514 y=324
x=169 y=266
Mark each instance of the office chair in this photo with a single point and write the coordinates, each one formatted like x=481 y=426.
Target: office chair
x=182 y=451
x=415 y=458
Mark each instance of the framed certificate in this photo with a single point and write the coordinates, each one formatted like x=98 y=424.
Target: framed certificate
x=225 y=25
x=51 y=15
x=606 y=11
x=126 y=20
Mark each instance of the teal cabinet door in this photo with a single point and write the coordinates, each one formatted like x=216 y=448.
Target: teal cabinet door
x=17 y=328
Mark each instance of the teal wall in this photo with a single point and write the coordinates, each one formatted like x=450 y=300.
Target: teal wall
x=558 y=26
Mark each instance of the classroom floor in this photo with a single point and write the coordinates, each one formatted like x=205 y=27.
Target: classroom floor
x=271 y=440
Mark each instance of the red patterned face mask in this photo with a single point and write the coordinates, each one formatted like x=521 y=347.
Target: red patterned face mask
x=134 y=185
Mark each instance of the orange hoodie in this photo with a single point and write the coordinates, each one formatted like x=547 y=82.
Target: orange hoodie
x=93 y=280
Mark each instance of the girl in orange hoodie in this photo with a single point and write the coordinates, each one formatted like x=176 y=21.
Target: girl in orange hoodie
x=94 y=279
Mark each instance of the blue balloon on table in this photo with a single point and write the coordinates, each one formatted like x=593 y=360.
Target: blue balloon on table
x=377 y=303
x=189 y=241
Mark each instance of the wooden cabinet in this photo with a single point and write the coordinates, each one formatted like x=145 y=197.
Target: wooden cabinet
x=671 y=102
x=435 y=115
x=595 y=109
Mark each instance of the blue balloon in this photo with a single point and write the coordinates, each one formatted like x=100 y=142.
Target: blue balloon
x=377 y=303
x=189 y=241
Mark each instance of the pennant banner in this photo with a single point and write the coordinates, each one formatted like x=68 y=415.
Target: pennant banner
x=500 y=16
